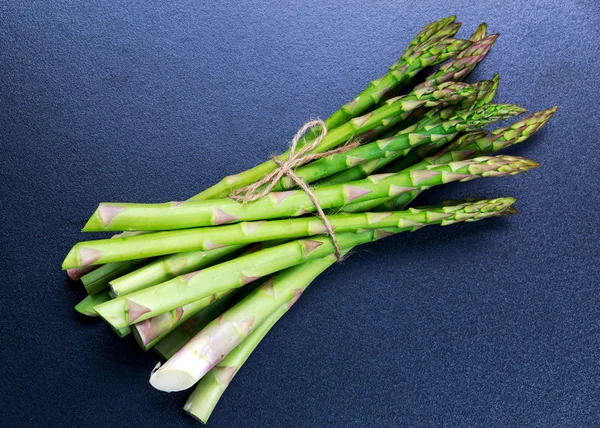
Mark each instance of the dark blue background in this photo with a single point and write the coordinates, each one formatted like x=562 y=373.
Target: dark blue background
x=489 y=324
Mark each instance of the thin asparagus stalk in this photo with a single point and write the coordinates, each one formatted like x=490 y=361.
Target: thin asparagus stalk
x=169 y=267
x=182 y=290
x=86 y=306
x=476 y=145
x=171 y=340
x=222 y=335
x=98 y=279
x=168 y=216
x=149 y=332
x=486 y=91
x=413 y=136
x=400 y=73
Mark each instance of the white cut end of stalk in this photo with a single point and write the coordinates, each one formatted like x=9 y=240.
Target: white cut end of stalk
x=172 y=380
x=180 y=372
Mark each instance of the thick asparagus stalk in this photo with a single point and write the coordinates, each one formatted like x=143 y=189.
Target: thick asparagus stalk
x=169 y=267
x=211 y=387
x=208 y=238
x=168 y=216
x=188 y=288
x=222 y=335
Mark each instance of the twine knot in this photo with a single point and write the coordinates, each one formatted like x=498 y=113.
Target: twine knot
x=287 y=168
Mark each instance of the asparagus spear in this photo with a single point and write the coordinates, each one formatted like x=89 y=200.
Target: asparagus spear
x=170 y=340
x=476 y=145
x=86 y=306
x=182 y=290
x=222 y=335
x=112 y=216
x=149 y=332
x=211 y=387
x=169 y=267
x=400 y=73
x=98 y=279
x=485 y=92
x=418 y=134
x=208 y=238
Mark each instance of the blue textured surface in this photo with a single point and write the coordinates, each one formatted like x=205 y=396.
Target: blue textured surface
x=492 y=324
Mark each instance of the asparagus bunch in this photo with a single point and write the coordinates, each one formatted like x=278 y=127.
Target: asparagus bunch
x=194 y=305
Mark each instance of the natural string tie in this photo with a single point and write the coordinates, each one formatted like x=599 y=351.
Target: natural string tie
x=287 y=168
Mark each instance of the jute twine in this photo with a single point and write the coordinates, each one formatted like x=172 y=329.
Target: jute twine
x=287 y=168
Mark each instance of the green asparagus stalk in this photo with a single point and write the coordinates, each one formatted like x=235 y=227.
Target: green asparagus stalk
x=222 y=335
x=209 y=238
x=211 y=387
x=413 y=136
x=182 y=290
x=475 y=145
x=86 y=306
x=168 y=267
x=486 y=91
x=425 y=49
x=151 y=331
x=98 y=279
x=171 y=340
x=346 y=120
x=168 y=216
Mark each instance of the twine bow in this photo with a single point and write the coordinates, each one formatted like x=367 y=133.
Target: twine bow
x=287 y=168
